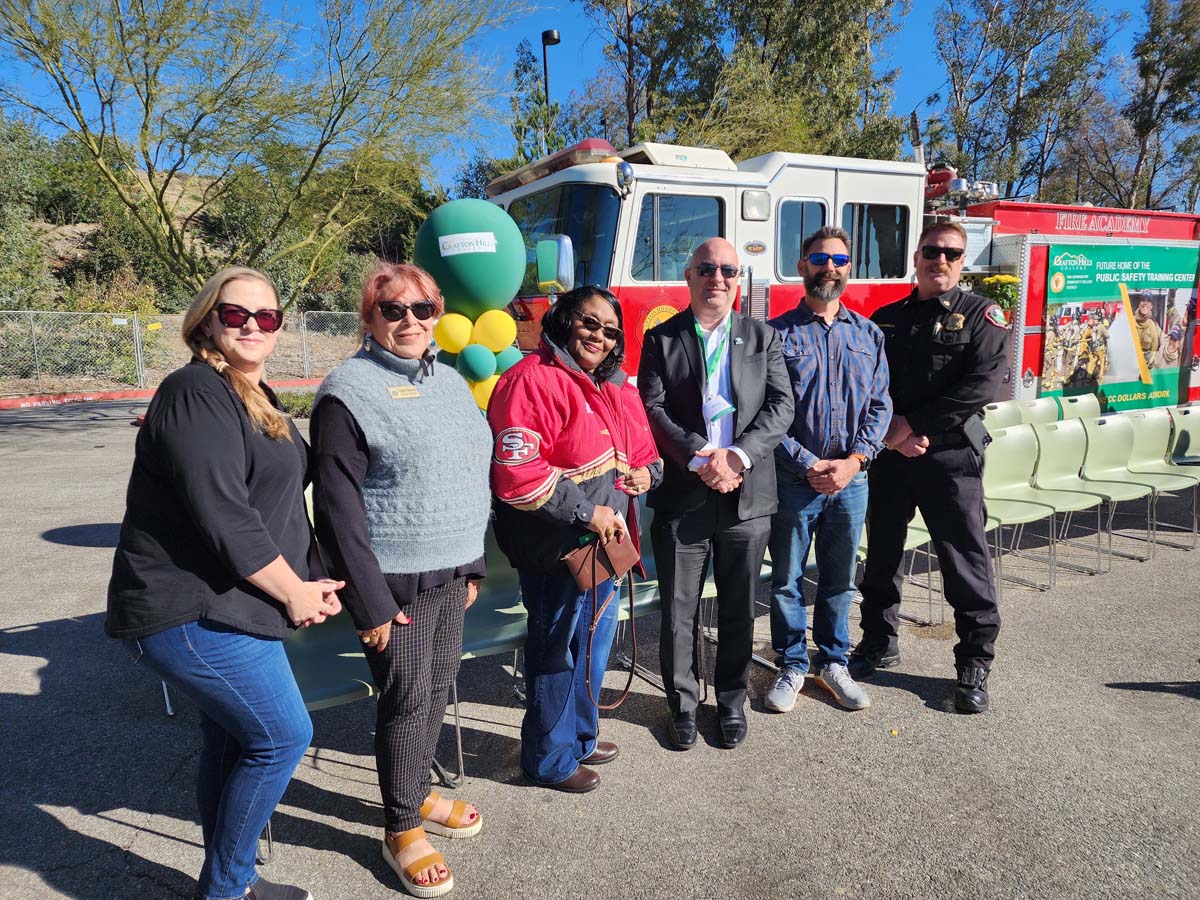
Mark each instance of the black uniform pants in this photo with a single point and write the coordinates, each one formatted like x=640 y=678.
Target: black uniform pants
x=414 y=674
x=946 y=485
x=681 y=551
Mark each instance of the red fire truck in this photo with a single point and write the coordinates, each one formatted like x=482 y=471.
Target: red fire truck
x=633 y=217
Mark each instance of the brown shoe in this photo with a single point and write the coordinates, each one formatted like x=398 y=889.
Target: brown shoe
x=581 y=782
x=603 y=752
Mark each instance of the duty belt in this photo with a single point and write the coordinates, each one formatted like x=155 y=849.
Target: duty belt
x=948 y=439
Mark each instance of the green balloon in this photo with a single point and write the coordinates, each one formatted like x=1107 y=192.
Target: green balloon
x=476 y=362
x=507 y=358
x=475 y=253
x=445 y=356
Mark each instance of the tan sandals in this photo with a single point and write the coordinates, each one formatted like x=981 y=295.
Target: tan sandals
x=394 y=846
x=457 y=825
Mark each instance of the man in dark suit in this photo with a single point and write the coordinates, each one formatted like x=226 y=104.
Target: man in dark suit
x=718 y=399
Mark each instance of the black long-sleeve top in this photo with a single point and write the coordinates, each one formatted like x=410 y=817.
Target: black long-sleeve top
x=371 y=596
x=211 y=500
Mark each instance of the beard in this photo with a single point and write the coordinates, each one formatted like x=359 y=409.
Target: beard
x=825 y=288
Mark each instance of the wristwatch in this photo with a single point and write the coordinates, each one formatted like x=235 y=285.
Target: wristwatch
x=864 y=461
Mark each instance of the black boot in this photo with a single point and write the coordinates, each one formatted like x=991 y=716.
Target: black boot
x=971 y=694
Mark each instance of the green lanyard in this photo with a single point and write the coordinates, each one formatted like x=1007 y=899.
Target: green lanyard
x=712 y=359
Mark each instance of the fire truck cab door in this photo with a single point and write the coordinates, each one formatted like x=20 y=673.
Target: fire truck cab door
x=662 y=223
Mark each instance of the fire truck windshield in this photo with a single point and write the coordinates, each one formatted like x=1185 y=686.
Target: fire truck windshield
x=586 y=213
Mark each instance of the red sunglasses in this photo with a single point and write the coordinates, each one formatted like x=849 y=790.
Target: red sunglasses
x=233 y=316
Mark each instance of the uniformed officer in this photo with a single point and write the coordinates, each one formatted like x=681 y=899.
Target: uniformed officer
x=946 y=352
x=1051 y=356
x=1149 y=335
x=1099 y=347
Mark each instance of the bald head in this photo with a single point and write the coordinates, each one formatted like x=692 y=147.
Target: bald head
x=710 y=289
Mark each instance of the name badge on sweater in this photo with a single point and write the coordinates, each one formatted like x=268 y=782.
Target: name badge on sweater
x=404 y=392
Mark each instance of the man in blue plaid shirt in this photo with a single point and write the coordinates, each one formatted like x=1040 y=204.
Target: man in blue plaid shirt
x=839 y=377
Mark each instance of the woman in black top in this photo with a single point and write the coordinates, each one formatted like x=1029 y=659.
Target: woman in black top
x=205 y=580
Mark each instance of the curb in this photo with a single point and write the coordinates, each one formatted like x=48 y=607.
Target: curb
x=42 y=400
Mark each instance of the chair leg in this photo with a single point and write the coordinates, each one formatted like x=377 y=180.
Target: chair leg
x=1051 y=558
x=1191 y=544
x=1148 y=539
x=167 y=699
x=259 y=856
x=456 y=780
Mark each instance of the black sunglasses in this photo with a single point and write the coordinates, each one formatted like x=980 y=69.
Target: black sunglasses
x=233 y=316
x=952 y=254
x=394 y=311
x=820 y=259
x=590 y=323
x=707 y=270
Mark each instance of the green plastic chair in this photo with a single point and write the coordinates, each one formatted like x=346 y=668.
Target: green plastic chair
x=1185 y=449
x=1109 y=449
x=1062 y=452
x=1081 y=406
x=1148 y=462
x=1011 y=500
x=1039 y=411
x=1003 y=414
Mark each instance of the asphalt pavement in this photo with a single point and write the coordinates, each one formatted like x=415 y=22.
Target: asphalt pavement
x=1083 y=780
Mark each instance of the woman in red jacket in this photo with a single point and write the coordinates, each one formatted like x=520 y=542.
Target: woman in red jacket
x=572 y=453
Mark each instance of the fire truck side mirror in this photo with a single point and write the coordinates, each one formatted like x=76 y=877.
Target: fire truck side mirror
x=555 y=264
x=624 y=178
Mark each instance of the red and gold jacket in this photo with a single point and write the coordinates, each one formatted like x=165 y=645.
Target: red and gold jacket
x=560 y=443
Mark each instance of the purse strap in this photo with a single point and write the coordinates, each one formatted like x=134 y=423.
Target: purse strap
x=597 y=613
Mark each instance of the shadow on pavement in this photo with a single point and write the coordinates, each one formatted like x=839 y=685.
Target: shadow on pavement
x=1182 y=688
x=98 y=534
x=76 y=739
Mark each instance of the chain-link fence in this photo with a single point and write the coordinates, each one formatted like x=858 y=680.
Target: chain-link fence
x=62 y=352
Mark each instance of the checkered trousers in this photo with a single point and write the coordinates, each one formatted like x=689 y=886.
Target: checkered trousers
x=414 y=675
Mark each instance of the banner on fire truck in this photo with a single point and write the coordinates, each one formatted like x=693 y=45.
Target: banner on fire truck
x=1116 y=319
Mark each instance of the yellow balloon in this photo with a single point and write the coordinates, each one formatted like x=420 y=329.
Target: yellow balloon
x=483 y=391
x=495 y=329
x=452 y=332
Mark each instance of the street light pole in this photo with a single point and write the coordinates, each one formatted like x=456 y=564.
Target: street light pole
x=550 y=38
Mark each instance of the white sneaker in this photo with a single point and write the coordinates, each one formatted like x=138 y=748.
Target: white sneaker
x=836 y=679
x=782 y=696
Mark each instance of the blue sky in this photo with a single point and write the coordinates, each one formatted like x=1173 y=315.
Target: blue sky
x=576 y=59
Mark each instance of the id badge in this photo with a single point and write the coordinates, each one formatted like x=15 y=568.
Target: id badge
x=716 y=407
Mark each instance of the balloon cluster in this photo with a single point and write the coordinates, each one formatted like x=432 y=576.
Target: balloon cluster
x=482 y=350
x=476 y=254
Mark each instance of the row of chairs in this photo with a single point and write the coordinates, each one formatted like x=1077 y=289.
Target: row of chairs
x=1048 y=469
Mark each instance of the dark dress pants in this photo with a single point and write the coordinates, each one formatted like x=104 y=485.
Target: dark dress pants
x=681 y=552
x=946 y=484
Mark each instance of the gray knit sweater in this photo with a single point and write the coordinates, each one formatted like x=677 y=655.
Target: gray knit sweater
x=426 y=489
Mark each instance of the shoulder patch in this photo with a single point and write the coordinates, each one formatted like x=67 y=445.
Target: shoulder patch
x=995 y=315
x=516 y=445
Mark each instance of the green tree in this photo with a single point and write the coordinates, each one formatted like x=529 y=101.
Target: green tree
x=535 y=126
x=1017 y=75
x=1164 y=98
x=176 y=101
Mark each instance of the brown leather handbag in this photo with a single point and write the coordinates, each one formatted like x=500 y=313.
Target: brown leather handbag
x=591 y=565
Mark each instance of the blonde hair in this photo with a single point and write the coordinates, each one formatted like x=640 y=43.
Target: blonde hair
x=263 y=414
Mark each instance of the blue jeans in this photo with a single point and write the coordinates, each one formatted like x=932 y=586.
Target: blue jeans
x=255 y=730
x=836 y=521
x=561 y=722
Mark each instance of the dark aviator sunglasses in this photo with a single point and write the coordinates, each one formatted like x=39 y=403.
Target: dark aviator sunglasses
x=233 y=316
x=394 y=311
x=932 y=252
